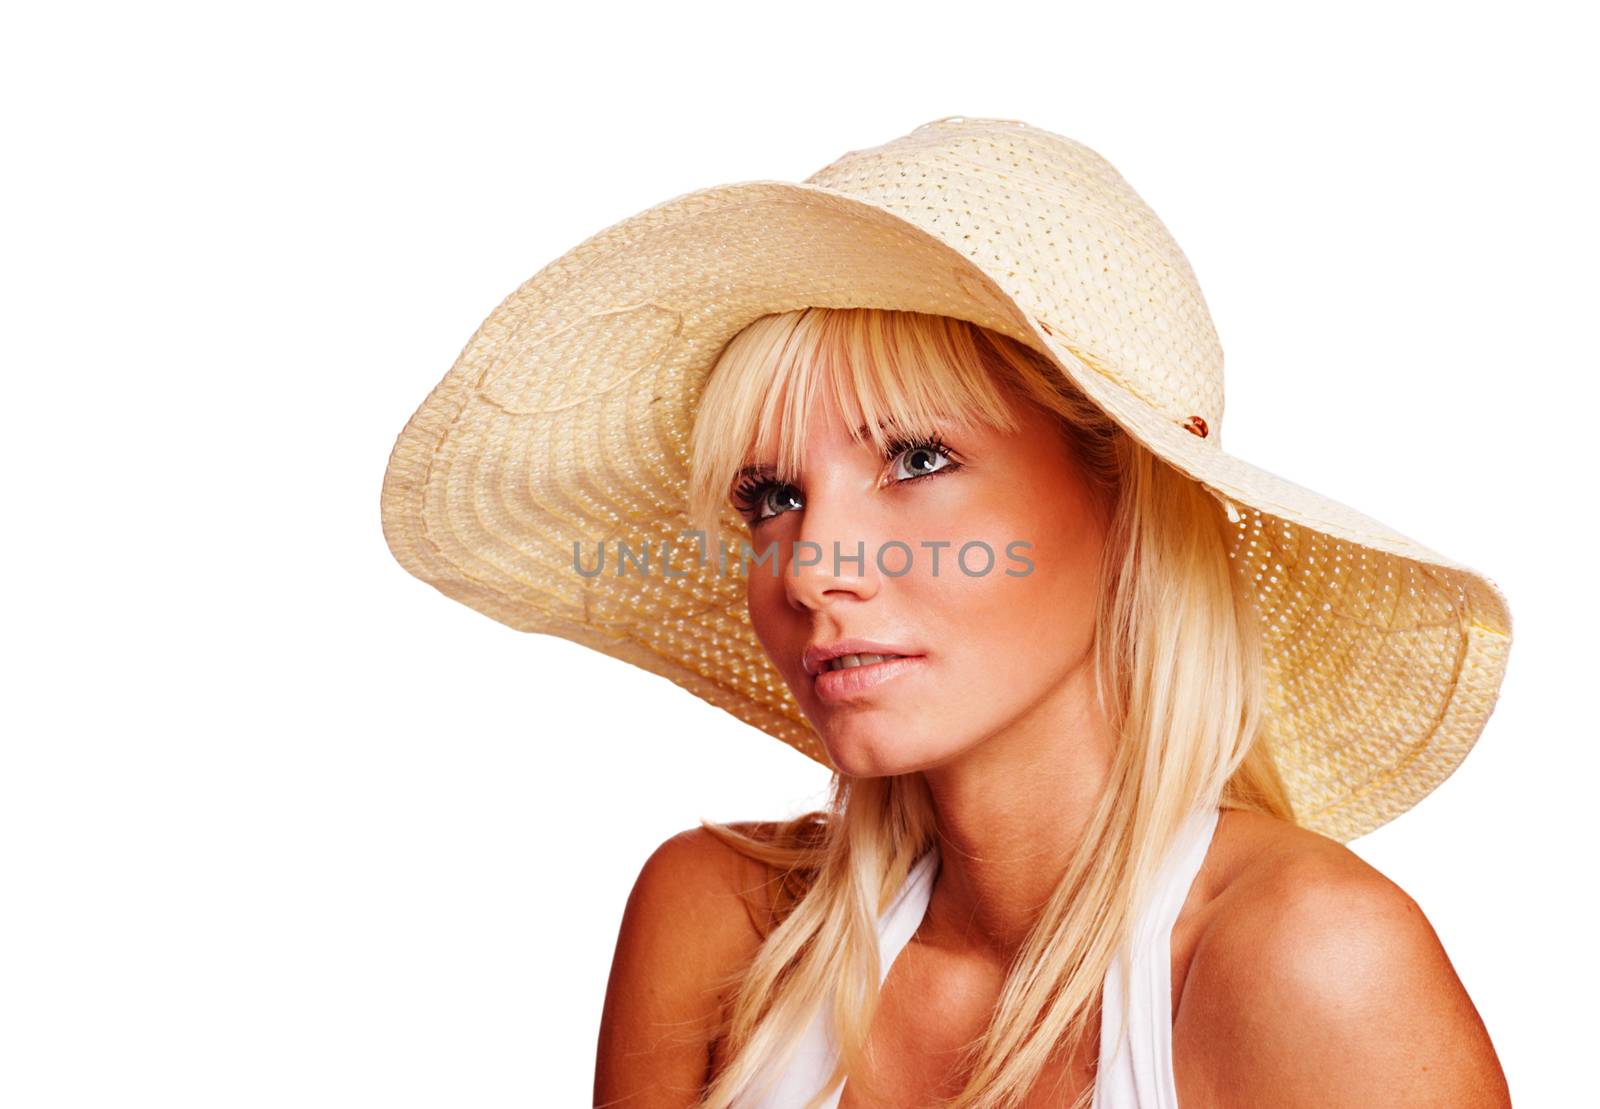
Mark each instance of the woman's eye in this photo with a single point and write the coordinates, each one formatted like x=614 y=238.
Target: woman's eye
x=914 y=460
x=763 y=499
x=780 y=499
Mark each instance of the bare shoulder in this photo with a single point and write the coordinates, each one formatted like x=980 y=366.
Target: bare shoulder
x=1318 y=981
x=686 y=931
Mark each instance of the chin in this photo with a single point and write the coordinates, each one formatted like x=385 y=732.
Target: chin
x=875 y=755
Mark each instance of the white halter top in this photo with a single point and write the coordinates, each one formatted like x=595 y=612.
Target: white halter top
x=1135 y=1070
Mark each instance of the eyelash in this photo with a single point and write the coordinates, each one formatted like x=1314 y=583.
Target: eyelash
x=753 y=490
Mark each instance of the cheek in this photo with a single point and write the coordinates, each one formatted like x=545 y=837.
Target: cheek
x=1044 y=613
x=771 y=618
x=1001 y=616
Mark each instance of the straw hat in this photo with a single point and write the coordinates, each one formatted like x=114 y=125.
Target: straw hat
x=566 y=420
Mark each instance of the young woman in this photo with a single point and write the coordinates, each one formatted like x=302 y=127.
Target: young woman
x=1102 y=703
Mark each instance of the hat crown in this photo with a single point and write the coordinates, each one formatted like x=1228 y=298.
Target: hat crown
x=1062 y=233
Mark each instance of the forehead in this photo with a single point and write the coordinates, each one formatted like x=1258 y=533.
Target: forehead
x=824 y=421
x=1032 y=428
x=790 y=403
x=827 y=427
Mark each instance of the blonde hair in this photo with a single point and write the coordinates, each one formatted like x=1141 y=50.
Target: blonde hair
x=1178 y=675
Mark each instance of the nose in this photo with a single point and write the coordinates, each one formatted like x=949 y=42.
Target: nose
x=832 y=558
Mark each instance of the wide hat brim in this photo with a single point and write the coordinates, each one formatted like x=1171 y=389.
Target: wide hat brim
x=565 y=420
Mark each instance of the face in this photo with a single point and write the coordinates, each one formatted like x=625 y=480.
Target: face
x=985 y=636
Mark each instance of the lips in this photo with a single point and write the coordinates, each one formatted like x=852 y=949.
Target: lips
x=863 y=683
x=817 y=655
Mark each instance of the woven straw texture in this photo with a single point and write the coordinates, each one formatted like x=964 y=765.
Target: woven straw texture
x=565 y=420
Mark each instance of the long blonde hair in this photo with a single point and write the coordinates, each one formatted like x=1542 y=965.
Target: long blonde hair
x=1178 y=675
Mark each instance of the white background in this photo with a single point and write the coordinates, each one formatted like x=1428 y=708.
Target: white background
x=282 y=825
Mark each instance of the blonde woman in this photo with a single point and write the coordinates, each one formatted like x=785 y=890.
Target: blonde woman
x=1102 y=703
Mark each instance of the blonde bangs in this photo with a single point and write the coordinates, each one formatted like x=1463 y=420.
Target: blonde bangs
x=891 y=373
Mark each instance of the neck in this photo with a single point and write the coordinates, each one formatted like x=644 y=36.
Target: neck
x=1011 y=811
